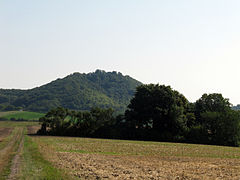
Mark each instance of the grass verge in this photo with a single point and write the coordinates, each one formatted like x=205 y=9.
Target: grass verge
x=35 y=166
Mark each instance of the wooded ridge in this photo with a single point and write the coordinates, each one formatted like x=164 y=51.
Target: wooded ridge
x=78 y=91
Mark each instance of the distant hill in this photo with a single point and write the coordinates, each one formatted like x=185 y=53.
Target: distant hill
x=76 y=91
x=237 y=107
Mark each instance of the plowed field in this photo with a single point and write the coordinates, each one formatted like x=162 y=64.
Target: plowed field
x=114 y=159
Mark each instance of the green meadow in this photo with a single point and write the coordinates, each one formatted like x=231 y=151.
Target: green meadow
x=17 y=115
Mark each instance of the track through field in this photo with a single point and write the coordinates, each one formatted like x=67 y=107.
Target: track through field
x=16 y=162
x=10 y=146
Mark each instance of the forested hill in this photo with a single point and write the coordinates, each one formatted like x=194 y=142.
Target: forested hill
x=237 y=107
x=76 y=91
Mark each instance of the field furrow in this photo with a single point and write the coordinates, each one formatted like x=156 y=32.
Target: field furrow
x=113 y=159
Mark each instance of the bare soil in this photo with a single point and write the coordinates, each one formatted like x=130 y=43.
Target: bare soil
x=32 y=130
x=94 y=165
x=4 y=132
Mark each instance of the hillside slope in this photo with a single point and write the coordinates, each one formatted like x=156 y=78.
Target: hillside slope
x=237 y=107
x=76 y=91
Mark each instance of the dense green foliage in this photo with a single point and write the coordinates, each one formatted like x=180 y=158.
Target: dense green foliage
x=216 y=122
x=156 y=112
x=161 y=113
x=76 y=91
x=160 y=109
x=61 y=121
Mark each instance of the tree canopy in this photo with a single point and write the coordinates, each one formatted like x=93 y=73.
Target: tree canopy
x=61 y=121
x=158 y=107
x=219 y=124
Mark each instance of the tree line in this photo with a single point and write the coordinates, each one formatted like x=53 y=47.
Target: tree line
x=156 y=112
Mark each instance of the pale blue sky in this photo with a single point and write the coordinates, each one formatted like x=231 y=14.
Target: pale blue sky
x=192 y=45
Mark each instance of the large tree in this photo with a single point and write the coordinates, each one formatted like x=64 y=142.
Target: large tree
x=211 y=103
x=219 y=124
x=222 y=128
x=158 y=107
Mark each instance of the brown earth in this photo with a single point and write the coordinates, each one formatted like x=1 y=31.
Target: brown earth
x=4 y=132
x=95 y=166
x=33 y=129
x=107 y=166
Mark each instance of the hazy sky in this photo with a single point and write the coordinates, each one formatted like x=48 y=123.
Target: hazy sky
x=192 y=45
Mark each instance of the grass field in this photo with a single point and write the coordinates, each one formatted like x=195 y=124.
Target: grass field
x=20 y=157
x=21 y=115
x=46 y=157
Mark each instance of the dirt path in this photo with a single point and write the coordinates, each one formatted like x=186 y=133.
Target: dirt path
x=12 y=147
x=8 y=149
x=15 y=168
